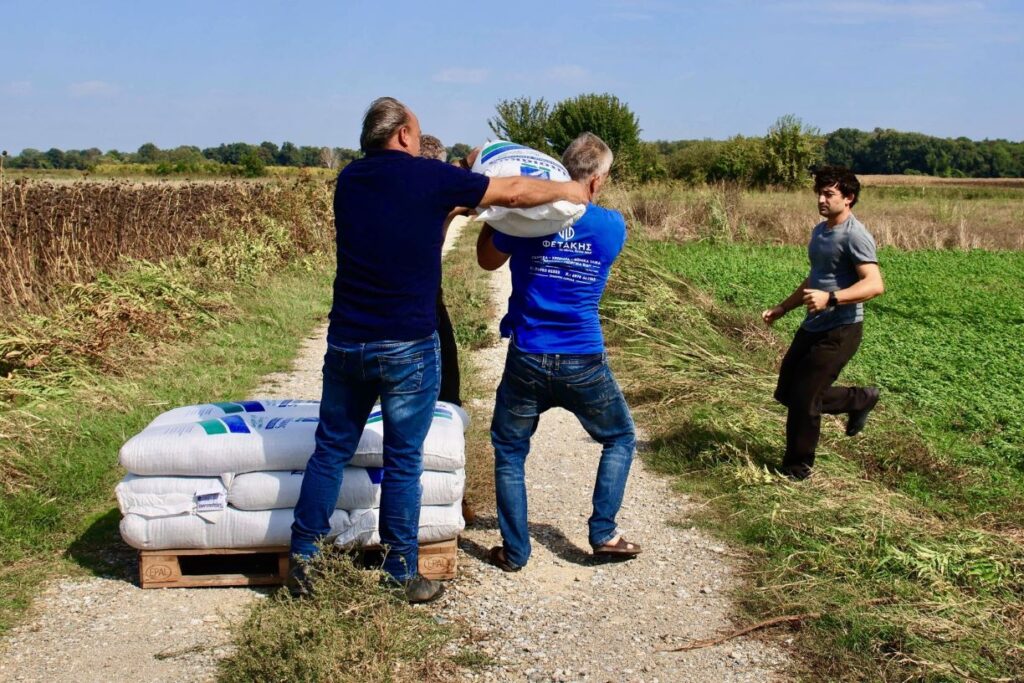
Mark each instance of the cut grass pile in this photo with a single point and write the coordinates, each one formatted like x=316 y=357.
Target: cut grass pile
x=350 y=630
x=907 y=540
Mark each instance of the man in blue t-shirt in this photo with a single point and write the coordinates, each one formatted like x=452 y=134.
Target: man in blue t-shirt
x=389 y=211
x=844 y=274
x=556 y=357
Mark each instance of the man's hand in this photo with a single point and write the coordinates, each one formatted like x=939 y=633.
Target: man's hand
x=770 y=315
x=815 y=300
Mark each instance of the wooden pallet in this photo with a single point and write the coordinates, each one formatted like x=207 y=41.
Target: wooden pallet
x=206 y=567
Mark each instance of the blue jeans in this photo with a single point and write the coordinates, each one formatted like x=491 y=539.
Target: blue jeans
x=583 y=385
x=405 y=377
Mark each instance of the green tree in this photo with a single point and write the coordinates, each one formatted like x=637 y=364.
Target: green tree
x=522 y=121
x=148 y=154
x=608 y=118
x=252 y=165
x=790 y=149
x=460 y=150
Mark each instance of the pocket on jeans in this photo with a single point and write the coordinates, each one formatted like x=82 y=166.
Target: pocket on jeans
x=587 y=378
x=402 y=374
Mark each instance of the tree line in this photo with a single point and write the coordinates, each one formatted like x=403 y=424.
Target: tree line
x=243 y=157
x=784 y=156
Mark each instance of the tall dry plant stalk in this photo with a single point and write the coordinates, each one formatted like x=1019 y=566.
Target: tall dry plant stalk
x=52 y=234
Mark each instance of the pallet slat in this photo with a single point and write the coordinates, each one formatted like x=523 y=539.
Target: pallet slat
x=191 y=568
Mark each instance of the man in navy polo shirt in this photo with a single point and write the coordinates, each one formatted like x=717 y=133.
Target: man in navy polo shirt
x=389 y=210
x=556 y=357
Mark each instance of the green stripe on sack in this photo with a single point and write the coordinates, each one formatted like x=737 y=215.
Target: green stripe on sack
x=229 y=408
x=213 y=427
x=379 y=418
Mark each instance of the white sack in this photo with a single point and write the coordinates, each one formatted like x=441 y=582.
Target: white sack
x=254 y=442
x=501 y=159
x=437 y=523
x=360 y=488
x=265 y=528
x=232 y=529
x=444 y=449
x=162 y=496
x=271 y=407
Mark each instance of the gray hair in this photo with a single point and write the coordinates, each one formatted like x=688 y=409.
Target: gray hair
x=385 y=116
x=587 y=156
x=432 y=148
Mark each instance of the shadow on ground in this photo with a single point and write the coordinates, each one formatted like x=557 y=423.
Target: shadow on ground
x=100 y=550
x=547 y=535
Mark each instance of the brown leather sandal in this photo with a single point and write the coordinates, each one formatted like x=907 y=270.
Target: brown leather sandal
x=622 y=549
x=497 y=557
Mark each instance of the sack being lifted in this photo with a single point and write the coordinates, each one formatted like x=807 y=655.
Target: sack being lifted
x=501 y=159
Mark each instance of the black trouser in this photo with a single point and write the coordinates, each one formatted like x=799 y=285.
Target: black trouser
x=450 y=379
x=812 y=363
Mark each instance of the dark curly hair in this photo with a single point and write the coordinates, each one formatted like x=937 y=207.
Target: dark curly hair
x=841 y=177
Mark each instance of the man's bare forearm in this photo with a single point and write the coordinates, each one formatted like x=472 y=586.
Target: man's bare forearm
x=521 y=192
x=796 y=299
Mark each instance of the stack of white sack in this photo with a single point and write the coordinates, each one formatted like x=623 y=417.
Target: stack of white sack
x=501 y=159
x=228 y=475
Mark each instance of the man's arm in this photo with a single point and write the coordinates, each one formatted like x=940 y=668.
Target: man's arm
x=487 y=255
x=520 y=192
x=867 y=287
x=792 y=301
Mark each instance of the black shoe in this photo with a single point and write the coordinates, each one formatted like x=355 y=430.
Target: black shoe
x=300 y=579
x=419 y=589
x=797 y=472
x=858 y=418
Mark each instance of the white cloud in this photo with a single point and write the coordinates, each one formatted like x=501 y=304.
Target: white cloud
x=16 y=88
x=461 y=75
x=92 y=89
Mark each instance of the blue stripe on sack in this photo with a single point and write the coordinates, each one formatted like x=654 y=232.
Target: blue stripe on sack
x=252 y=406
x=236 y=425
x=375 y=474
x=498 y=149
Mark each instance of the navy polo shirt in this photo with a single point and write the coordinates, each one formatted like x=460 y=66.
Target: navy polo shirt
x=389 y=213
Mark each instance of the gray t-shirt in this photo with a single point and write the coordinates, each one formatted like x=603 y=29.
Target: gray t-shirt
x=834 y=255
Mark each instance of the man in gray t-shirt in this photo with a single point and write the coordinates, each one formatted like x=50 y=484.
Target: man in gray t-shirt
x=844 y=274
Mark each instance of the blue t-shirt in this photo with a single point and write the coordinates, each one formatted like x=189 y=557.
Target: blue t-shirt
x=557 y=283
x=834 y=254
x=389 y=212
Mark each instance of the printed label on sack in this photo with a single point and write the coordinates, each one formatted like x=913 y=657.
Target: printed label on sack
x=211 y=500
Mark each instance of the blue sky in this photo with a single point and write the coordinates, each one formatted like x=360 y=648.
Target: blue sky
x=118 y=74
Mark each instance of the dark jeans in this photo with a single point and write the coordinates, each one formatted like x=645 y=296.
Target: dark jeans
x=404 y=374
x=450 y=379
x=583 y=385
x=812 y=363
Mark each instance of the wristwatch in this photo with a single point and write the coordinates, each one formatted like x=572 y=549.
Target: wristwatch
x=832 y=300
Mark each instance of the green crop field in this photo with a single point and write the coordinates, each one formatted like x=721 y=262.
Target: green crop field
x=903 y=555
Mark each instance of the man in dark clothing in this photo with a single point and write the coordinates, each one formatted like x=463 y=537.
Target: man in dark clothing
x=844 y=274
x=389 y=211
x=431 y=148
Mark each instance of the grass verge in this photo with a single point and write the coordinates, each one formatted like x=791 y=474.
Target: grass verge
x=908 y=586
